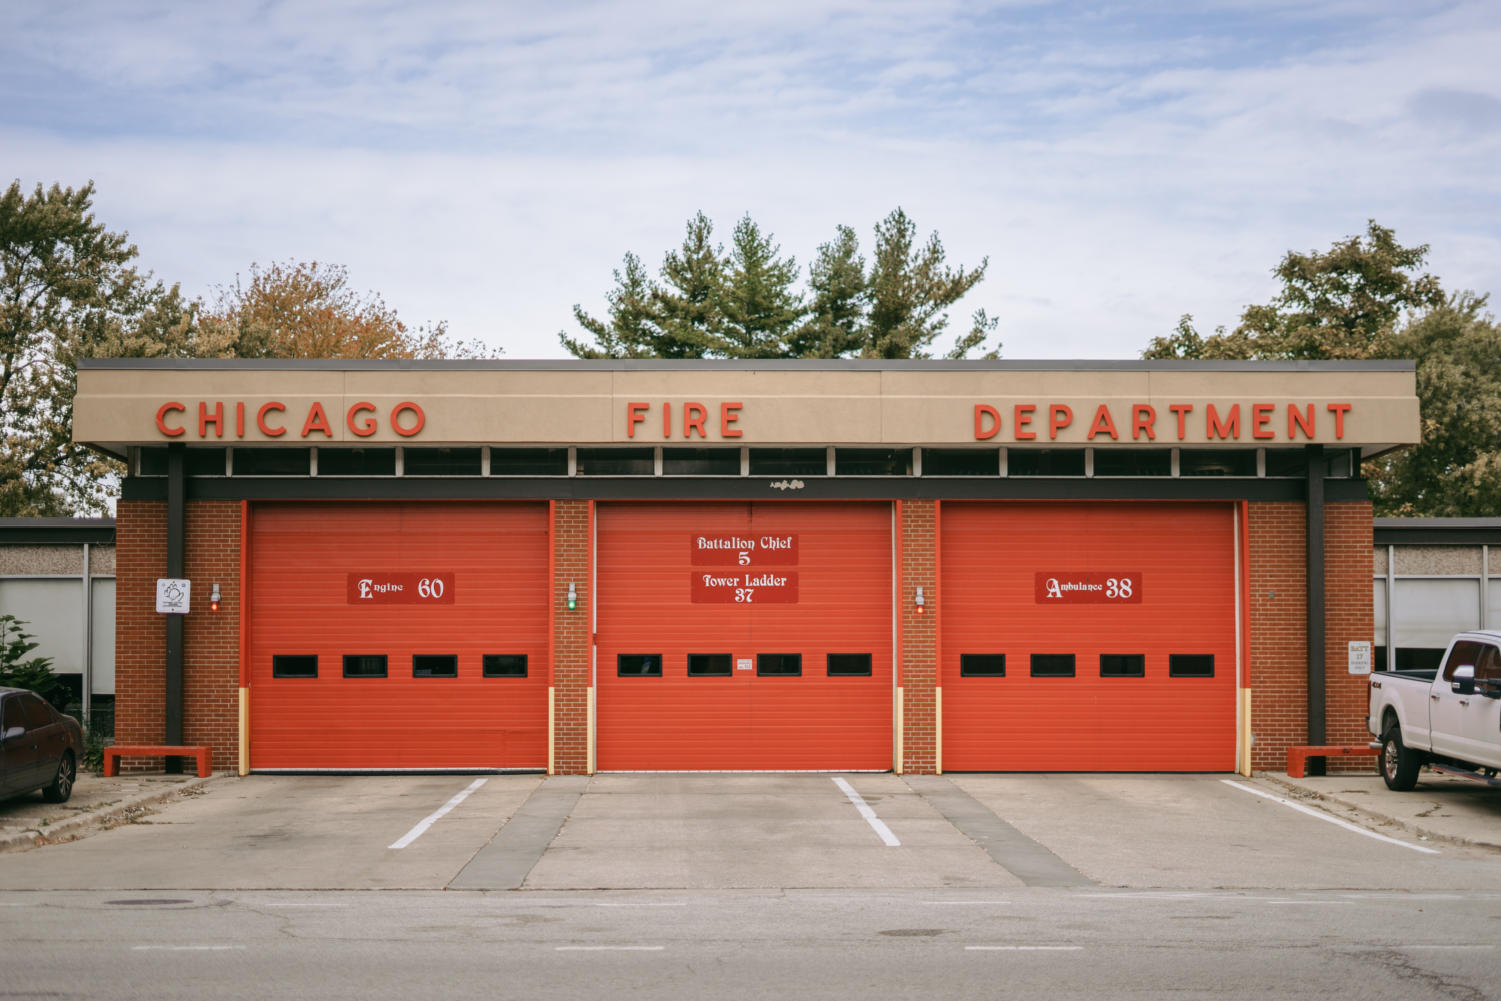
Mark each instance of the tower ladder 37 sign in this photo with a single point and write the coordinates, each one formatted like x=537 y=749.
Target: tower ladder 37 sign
x=726 y=569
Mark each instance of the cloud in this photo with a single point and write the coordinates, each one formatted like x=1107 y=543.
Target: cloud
x=489 y=165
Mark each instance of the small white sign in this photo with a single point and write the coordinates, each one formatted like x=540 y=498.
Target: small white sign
x=1360 y=656
x=172 y=595
x=743 y=664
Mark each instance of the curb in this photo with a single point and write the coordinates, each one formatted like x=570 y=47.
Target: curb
x=78 y=825
x=1373 y=816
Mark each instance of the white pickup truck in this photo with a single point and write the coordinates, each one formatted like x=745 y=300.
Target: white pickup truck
x=1448 y=719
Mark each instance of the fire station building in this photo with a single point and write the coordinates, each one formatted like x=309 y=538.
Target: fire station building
x=575 y=566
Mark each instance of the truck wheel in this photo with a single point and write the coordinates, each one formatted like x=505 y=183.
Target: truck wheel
x=1399 y=766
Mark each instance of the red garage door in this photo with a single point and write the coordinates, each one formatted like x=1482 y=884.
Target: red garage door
x=744 y=636
x=1088 y=637
x=398 y=635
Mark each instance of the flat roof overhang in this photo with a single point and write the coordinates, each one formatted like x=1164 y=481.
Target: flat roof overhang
x=1369 y=405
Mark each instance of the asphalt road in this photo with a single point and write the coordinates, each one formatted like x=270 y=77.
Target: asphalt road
x=1024 y=943
x=751 y=886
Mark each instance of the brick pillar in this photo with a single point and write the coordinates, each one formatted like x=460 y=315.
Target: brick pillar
x=1279 y=641
x=1279 y=659
x=140 y=637
x=1348 y=615
x=917 y=522
x=211 y=641
x=572 y=639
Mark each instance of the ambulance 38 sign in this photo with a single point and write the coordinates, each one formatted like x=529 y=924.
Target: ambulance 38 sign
x=1093 y=588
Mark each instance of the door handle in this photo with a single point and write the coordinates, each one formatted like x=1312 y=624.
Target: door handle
x=1433 y=698
x=1464 y=702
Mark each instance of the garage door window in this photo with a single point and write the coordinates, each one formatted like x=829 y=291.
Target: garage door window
x=294 y=665
x=435 y=665
x=785 y=665
x=638 y=665
x=364 y=665
x=1052 y=665
x=708 y=665
x=982 y=665
x=1190 y=665
x=1123 y=665
x=504 y=665
x=849 y=665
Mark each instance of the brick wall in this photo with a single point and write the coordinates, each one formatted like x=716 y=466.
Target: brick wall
x=1279 y=661
x=572 y=641
x=211 y=641
x=918 y=525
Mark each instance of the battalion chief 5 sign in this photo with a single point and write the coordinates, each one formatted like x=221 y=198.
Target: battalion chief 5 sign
x=744 y=587
x=1099 y=588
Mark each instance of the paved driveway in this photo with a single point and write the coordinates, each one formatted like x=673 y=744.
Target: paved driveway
x=705 y=832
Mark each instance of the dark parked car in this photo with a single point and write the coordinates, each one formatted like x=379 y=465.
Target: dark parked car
x=39 y=747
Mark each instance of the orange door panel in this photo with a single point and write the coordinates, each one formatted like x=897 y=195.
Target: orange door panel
x=1163 y=699
x=485 y=568
x=649 y=579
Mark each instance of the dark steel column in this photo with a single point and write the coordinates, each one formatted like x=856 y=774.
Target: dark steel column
x=1315 y=574
x=176 y=544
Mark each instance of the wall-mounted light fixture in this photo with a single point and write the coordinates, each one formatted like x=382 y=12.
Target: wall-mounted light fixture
x=573 y=597
x=918 y=602
x=213 y=599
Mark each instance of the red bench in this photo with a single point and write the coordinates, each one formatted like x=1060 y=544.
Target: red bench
x=115 y=752
x=1297 y=757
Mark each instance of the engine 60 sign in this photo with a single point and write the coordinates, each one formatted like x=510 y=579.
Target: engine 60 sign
x=400 y=589
x=1092 y=588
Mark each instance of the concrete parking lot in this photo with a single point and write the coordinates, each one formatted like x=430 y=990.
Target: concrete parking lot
x=713 y=832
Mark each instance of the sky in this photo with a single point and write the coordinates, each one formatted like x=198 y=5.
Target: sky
x=488 y=164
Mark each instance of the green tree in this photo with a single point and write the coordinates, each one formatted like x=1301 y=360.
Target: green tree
x=1366 y=298
x=68 y=290
x=688 y=305
x=909 y=291
x=745 y=304
x=1456 y=471
x=630 y=330
x=759 y=306
x=835 y=326
x=1344 y=303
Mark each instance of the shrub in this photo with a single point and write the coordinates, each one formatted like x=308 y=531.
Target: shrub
x=17 y=670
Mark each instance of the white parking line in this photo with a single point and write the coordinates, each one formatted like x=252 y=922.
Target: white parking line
x=870 y=815
x=436 y=815
x=1324 y=816
x=964 y=903
x=1023 y=948
x=184 y=948
x=608 y=948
